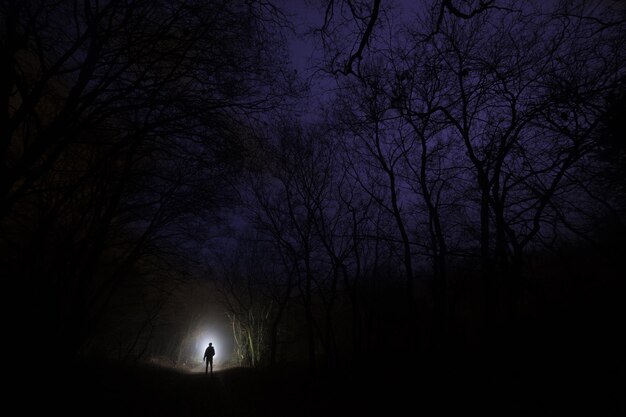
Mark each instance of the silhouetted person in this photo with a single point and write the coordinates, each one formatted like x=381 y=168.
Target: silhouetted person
x=208 y=357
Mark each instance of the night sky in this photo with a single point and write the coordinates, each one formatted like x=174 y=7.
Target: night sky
x=369 y=207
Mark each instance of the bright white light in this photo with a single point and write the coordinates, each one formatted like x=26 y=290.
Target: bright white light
x=203 y=340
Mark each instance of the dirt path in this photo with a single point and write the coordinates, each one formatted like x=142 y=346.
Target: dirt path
x=98 y=390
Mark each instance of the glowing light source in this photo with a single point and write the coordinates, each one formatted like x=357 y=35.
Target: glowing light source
x=203 y=340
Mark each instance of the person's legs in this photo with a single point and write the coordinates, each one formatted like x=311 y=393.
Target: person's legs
x=206 y=368
x=211 y=360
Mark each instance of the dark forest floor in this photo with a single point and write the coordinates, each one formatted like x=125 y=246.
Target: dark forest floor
x=549 y=387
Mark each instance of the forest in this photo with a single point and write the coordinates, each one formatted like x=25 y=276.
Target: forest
x=428 y=195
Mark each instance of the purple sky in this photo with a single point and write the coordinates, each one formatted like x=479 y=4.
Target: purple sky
x=307 y=15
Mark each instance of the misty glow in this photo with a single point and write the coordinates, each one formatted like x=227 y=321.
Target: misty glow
x=203 y=340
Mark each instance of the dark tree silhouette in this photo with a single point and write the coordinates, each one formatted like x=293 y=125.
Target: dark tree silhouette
x=121 y=124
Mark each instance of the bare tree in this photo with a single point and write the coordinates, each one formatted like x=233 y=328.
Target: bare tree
x=246 y=286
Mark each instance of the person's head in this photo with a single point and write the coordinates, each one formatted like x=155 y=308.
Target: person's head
x=210 y=344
